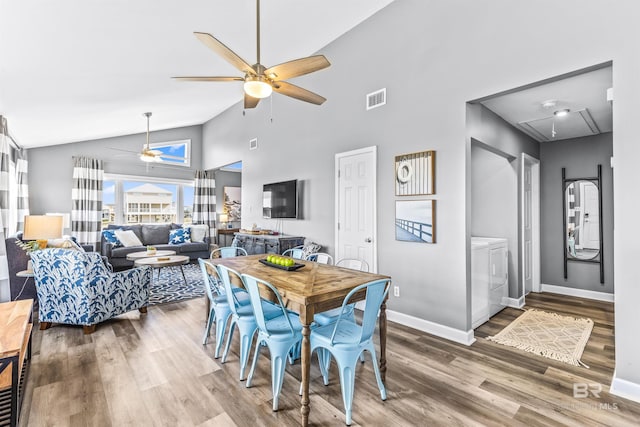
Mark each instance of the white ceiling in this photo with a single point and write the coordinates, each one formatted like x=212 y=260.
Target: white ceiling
x=584 y=94
x=75 y=70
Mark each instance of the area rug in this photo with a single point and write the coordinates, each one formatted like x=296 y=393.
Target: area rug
x=551 y=335
x=170 y=287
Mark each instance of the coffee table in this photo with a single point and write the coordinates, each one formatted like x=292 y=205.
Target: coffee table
x=143 y=254
x=159 y=262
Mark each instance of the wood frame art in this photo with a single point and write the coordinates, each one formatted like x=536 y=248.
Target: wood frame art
x=415 y=221
x=415 y=173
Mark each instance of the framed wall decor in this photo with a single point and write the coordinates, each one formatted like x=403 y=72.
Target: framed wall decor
x=415 y=173
x=415 y=221
x=232 y=205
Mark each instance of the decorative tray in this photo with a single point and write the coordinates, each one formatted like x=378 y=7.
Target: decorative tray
x=281 y=267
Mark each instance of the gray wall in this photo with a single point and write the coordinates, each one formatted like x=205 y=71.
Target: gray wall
x=226 y=179
x=492 y=139
x=580 y=157
x=456 y=57
x=51 y=168
x=494 y=203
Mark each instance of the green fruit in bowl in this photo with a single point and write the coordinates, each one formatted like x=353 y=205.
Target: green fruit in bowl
x=290 y=263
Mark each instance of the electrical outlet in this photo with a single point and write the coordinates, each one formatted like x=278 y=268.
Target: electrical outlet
x=396 y=291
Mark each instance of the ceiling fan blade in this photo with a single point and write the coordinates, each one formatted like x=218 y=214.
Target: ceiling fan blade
x=209 y=79
x=126 y=151
x=221 y=49
x=297 y=92
x=297 y=67
x=250 y=102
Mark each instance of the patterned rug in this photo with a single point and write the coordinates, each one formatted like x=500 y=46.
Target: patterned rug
x=171 y=287
x=551 y=335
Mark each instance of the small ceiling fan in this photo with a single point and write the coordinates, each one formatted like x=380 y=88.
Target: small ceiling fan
x=147 y=154
x=259 y=81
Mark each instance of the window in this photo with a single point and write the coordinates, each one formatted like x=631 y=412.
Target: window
x=174 y=152
x=145 y=200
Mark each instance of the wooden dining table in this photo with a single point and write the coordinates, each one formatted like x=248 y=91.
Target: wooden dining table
x=311 y=289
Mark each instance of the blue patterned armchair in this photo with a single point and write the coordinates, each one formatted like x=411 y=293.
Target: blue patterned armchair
x=76 y=288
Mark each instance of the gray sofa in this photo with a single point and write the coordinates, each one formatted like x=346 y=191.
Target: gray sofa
x=156 y=235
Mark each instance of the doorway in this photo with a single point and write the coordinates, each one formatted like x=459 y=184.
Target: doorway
x=529 y=224
x=356 y=206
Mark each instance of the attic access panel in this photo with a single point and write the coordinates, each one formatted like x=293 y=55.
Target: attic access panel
x=574 y=125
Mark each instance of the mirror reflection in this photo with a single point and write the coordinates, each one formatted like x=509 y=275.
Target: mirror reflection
x=583 y=222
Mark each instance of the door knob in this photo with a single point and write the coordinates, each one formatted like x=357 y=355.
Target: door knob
x=368 y=240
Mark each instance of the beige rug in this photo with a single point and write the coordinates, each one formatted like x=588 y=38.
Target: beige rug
x=551 y=335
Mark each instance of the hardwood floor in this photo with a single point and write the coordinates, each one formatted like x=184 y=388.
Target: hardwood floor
x=152 y=370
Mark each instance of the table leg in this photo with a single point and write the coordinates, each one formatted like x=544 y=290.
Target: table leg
x=306 y=317
x=183 y=276
x=382 y=323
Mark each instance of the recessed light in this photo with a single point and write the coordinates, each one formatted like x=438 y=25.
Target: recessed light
x=561 y=113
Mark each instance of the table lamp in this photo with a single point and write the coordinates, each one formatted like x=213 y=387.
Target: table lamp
x=66 y=221
x=224 y=218
x=41 y=228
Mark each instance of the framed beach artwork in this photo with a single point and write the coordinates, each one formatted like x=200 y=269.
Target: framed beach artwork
x=415 y=221
x=232 y=205
x=415 y=173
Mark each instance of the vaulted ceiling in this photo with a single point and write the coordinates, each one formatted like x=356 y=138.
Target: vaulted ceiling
x=74 y=70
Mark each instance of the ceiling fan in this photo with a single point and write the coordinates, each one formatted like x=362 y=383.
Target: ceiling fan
x=259 y=81
x=147 y=154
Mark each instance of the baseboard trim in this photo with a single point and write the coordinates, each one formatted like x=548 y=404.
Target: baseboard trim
x=624 y=388
x=581 y=293
x=515 y=302
x=442 y=331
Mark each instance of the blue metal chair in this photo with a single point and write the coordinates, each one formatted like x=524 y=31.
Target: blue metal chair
x=331 y=316
x=345 y=340
x=295 y=253
x=219 y=311
x=281 y=335
x=227 y=252
x=320 y=258
x=242 y=316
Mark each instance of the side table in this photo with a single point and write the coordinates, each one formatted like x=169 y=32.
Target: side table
x=27 y=274
x=15 y=350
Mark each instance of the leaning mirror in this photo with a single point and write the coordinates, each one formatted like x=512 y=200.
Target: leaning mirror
x=583 y=220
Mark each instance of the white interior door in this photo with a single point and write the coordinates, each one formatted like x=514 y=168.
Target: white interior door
x=530 y=224
x=356 y=206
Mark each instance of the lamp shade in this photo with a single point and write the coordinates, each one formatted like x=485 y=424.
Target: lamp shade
x=224 y=217
x=42 y=227
x=66 y=219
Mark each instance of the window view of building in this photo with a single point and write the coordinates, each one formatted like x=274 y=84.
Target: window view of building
x=149 y=203
x=139 y=202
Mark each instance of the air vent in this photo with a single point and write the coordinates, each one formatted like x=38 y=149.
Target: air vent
x=377 y=98
x=253 y=144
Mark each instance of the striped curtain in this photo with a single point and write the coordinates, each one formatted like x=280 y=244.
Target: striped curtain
x=86 y=199
x=204 y=199
x=4 y=175
x=22 y=168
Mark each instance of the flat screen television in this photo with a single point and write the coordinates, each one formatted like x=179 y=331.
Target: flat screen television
x=280 y=199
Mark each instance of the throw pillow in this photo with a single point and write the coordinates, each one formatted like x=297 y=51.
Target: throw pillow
x=310 y=248
x=128 y=238
x=110 y=236
x=198 y=232
x=178 y=236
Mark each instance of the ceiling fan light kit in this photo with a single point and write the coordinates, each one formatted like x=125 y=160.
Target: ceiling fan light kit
x=259 y=81
x=561 y=113
x=257 y=87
